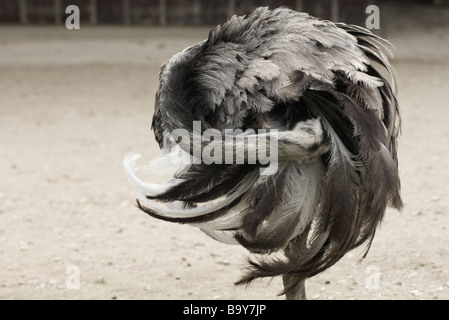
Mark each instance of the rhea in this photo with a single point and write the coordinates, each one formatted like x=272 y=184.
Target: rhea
x=326 y=94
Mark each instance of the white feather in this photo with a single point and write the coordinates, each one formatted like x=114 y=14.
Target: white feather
x=132 y=170
x=198 y=211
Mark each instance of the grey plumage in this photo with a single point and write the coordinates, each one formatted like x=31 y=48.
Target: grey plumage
x=337 y=119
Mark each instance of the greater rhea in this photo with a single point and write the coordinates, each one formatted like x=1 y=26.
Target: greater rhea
x=317 y=97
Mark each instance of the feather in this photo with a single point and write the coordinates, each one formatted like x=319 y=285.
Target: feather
x=204 y=183
x=196 y=214
x=266 y=196
x=290 y=212
x=132 y=169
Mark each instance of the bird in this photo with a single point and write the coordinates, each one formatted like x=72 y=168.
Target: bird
x=320 y=98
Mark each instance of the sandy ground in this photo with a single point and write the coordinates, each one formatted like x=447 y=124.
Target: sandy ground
x=72 y=103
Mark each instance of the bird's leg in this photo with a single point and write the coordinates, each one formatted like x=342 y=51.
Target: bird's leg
x=295 y=251
x=298 y=292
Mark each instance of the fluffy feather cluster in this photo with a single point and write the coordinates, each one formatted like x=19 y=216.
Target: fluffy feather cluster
x=338 y=121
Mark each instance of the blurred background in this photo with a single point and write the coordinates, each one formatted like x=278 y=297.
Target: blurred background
x=179 y=12
x=74 y=102
x=166 y=12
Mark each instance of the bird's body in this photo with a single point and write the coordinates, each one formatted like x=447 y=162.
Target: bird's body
x=333 y=118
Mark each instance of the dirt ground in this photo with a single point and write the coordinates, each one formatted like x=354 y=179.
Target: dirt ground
x=72 y=103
